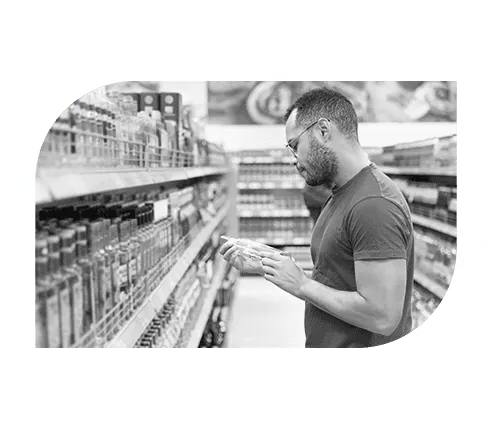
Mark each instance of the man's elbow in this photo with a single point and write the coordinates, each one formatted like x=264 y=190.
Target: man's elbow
x=387 y=324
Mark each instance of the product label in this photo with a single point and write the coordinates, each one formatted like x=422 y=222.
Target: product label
x=53 y=321
x=101 y=285
x=123 y=276
x=95 y=292
x=107 y=276
x=116 y=281
x=65 y=317
x=132 y=271
x=87 y=298
x=77 y=308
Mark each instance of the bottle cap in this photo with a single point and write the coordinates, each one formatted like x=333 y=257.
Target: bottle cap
x=41 y=247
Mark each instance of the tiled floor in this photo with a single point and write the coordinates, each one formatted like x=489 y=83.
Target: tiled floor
x=263 y=316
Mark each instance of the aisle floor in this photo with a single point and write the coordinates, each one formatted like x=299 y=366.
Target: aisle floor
x=263 y=316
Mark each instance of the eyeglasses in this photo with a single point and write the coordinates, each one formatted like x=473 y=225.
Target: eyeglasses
x=293 y=144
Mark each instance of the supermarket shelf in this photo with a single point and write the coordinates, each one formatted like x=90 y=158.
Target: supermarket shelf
x=58 y=184
x=440 y=176
x=198 y=330
x=430 y=285
x=273 y=213
x=42 y=195
x=435 y=225
x=263 y=160
x=283 y=242
x=271 y=185
x=132 y=331
x=449 y=171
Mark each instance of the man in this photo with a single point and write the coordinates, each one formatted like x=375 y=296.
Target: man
x=359 y=294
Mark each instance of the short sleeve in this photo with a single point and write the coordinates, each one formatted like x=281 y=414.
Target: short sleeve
x=378 y=229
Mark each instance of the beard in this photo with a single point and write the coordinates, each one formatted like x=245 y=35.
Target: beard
x=322 y=164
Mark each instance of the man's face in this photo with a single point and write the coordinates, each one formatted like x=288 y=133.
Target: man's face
x=317 y=163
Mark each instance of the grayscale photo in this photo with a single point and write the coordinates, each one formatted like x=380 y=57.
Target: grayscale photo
x=245 y=214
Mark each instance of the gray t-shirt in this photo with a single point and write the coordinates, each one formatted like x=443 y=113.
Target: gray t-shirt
x=365 y=219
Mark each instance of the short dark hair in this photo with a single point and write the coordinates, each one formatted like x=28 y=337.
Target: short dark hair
x=326 y=103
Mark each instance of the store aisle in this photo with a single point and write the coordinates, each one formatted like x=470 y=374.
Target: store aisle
x=263 y=316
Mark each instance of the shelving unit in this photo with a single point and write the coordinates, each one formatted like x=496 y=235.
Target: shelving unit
x=282 y=242
x=198 y=329
x=130 y=203
x=271 y=185
x=130 y=333
x=435 y=225
x=54 y=185
x=273 y=213
x=430 y=285
x=437 y=177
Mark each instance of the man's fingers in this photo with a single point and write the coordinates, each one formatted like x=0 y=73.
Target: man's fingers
x=269 y=278
x=226 y=246
x=266 y=261
x=228 y=254
x=269 y=255
x=268 y=270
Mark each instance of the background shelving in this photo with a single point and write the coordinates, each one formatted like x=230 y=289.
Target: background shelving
x=426 y=173
x=129 y=205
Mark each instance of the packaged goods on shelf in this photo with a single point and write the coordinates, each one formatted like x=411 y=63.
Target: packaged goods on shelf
x=216 y=328
x=106 y=129
x=423 y=305
x=96 y=261
x=435 y=258
x=270 y=203
x=286 y=229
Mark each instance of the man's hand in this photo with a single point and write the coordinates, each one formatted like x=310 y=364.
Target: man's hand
x=232 y=255
x=282 y=271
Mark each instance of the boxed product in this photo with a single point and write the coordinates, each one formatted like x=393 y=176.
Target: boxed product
x=171 y=105
x=149 y=102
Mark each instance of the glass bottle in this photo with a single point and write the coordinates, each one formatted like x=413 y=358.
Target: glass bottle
x=123 y=268
x=83 y=140
x=65 y=136
x=61 y=284
x=74 y=280
x=113 y=251
x=41 y=285
x=85 y=264
x=92 y=129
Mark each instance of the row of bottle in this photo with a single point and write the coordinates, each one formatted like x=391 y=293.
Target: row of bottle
x=106 y=129
x=111 y=259
x=289 y=200
x=435 y=257
x=287 y=229
x=172 y=325
x=215 y=331
x=267 y=172
x=422 y=306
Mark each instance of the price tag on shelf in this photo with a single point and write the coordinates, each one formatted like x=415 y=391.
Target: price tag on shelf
x=254 y=185
x=279 y=241
x=270 y=185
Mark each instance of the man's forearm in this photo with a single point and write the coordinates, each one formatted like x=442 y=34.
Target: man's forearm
x=349 y=306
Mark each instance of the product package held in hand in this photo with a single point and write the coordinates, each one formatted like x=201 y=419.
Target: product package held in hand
x=246 y=257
